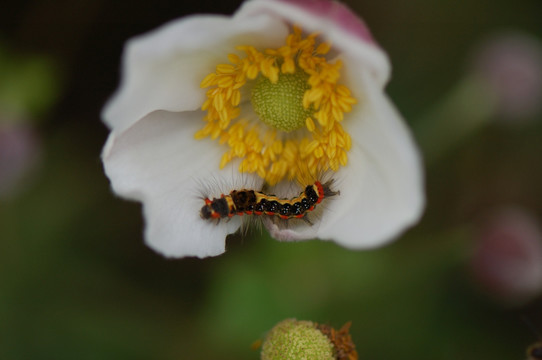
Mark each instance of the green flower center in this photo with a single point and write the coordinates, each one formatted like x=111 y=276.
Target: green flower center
x=280 y=105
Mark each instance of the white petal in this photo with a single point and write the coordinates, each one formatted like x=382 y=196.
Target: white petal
x=158 y=162
x=343 y=40
x=162 y=70
x=382 y=190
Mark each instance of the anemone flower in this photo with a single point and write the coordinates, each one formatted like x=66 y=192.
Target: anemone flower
x=277 y=94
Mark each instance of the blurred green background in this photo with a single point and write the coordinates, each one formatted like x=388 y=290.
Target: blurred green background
x=76 y=280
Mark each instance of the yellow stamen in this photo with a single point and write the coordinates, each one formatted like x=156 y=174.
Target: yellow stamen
x=309 y=123
x=269 y=149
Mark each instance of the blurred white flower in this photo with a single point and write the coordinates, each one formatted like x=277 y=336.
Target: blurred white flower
x=277 y=91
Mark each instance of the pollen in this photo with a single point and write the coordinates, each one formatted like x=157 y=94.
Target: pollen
x=279 y=111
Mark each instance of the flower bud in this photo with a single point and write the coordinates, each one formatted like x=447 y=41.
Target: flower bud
x=507 y=262
x=511 y=65
x=292 y=339
x=19 y=155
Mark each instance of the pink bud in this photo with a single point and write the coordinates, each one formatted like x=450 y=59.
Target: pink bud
x=511 y=64
x=507 y=261
x=19 y=150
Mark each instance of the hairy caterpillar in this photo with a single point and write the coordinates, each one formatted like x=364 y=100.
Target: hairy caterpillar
x=252 y=202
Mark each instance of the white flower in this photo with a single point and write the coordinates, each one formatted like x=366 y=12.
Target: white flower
x=160 y=151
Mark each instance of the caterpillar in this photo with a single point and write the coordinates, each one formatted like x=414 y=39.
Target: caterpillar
x=252 y=202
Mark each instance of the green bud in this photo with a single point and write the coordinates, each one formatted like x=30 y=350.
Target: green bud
x=296 y=340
